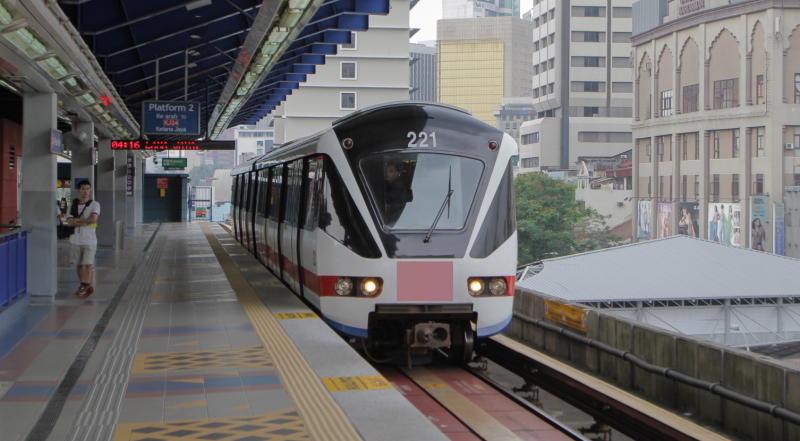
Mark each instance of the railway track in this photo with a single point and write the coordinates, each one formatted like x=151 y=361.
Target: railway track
x=467 y=406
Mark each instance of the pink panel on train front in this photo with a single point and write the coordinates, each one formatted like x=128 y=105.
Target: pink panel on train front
x=424 y=281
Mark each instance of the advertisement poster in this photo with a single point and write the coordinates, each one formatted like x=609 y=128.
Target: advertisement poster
x=725 y=223
x=758 y=222
x=664 y=219
x=688 y=219
x=779 y=229
x=644 y=215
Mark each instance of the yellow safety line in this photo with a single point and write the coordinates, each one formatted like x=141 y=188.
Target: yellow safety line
x=324 y=419
x=477 y=419
x=677 y=422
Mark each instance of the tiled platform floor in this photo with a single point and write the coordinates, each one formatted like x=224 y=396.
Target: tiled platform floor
x=179 y=358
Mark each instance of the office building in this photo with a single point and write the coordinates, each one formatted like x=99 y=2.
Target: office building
x=582 y=83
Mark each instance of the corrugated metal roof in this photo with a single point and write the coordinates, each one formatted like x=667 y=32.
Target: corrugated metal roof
x=675 y=268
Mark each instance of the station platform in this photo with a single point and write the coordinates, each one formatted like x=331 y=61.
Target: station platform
x=188 y=337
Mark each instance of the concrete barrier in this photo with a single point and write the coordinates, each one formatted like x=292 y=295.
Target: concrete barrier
x=754 y=375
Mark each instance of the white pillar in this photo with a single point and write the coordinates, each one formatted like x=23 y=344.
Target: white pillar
x=120 y=183
x=105 y=193
x=138 y=193
x=38 y=206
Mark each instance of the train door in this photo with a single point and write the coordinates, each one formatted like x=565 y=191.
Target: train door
x=291 y=267
x=307 y=241
x=237 y=229
x=261 y=219
x=257 y=211
x=253 y=205
x=273 y=218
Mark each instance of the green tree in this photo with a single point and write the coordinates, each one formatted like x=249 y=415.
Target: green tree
x=550 y=222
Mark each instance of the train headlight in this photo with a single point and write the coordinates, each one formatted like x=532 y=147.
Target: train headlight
x=370 y=287
x=476 y=286
x=498 y=286
x=343 y=286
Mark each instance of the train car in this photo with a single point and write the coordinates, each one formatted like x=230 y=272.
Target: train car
x=397 y=224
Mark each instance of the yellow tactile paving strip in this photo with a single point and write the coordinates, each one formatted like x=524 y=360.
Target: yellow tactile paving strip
x=286 y=425
x=247 y=357
x=324 y=419
x=366 y=382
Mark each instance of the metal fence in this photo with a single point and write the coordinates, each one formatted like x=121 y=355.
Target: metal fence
x=13 y=266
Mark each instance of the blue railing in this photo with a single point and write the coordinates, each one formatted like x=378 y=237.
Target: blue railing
x=13 y=266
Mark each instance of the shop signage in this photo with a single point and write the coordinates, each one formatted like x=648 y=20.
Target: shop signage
x=689 y=6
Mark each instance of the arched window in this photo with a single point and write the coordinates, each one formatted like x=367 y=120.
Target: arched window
x=643 y=96
x=664 y=84
x=724 y=71
x=689 y=81
x=757 y=62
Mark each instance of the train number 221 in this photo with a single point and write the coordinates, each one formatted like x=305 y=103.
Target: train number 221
x=421 y=139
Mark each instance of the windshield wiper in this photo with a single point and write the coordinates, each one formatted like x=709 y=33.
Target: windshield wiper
x=445 y=203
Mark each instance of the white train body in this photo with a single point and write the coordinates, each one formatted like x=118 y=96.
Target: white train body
x=410 y=202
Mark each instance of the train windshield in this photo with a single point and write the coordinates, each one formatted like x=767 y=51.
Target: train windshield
x=410 y=189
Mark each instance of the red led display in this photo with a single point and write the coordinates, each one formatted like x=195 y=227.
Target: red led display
x=150 y=144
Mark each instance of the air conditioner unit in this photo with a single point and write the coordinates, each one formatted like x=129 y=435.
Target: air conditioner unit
x=788 y=146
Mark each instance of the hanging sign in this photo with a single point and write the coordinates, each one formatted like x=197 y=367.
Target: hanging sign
x=162 y=183
x=170 y=118
x=163 y=144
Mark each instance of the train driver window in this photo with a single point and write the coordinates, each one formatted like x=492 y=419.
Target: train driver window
x=397 y=190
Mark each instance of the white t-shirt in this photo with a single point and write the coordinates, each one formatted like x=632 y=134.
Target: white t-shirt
x=85 y=235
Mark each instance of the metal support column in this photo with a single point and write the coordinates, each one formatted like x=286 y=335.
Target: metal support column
x=82 y=168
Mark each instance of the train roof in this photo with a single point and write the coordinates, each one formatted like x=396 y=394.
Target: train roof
x=260 y=161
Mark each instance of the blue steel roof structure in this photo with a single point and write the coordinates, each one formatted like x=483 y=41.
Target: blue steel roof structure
x=131 y=37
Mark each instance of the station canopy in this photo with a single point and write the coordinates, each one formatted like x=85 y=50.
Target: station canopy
x=238 y=59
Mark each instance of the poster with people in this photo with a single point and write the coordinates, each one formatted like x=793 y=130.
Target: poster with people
x=725 y=223
x=758 y=222
x=664 y=219
x=688 y=219
x=645 y=214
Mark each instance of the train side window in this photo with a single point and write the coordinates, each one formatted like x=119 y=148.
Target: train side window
x=313 y=179
x=263 y=185
x=293 y=192
x=275 y=190
x=339 y=217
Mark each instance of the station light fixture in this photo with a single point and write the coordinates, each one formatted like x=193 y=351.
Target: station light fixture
x=276 y=38
x=5 y=15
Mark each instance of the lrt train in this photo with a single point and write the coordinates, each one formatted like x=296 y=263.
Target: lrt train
x=397 y=224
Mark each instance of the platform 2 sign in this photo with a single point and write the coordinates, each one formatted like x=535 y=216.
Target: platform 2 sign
x=170 y=118
x=160 y=145
x=564 y=314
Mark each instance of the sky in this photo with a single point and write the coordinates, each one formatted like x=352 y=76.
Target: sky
x=426 y=12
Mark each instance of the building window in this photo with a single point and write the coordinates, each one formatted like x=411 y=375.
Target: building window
x=715 y=154
x=735 y=144
x=715 y=188
x=691 y=95
x=758 y=184
x=760 y=89
x=697 y=187
x=588 y=86
x=622 y=12
x=647 y=152
x=661 y=187
x=666 y=103
x=735 y=188
x=588 y=36
x=588 y=61
x=760 y=151
x=530 y=162
x=726 y=93
x=621 y=87
x=530 y=138
x=623 y=137
x=588 y=11
x=684 y=184
x=797 y=88
x=347 y=70
x=551 y=87
x=621 y=62
x=352 y=44
x=696 y=146
x=621 y=37
x=660 y=148
x=591 y=111
x=347 y=100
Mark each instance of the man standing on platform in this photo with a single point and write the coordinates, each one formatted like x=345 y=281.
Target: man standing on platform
x=83 y=242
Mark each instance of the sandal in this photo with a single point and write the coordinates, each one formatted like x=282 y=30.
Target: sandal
x=81 y=291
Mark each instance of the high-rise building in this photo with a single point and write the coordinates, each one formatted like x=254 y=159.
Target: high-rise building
x=372 y=69
x=482 y=60
x=480 y=8
x=716 y=131
x=423 y=72
x=582 y=83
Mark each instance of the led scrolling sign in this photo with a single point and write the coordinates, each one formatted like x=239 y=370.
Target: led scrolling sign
x=159 y=145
